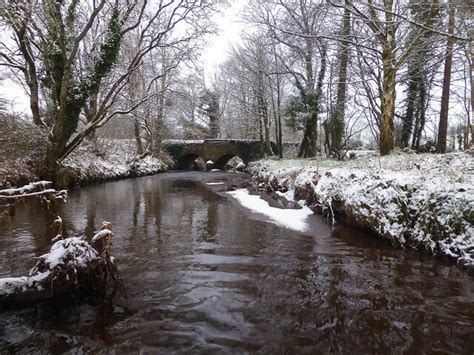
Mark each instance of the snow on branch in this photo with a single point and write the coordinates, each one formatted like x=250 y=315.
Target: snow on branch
x=34 y=189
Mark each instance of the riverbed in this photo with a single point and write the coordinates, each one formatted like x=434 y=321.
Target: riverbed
x=204 y=274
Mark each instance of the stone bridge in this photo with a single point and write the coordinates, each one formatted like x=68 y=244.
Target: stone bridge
x=185 y=152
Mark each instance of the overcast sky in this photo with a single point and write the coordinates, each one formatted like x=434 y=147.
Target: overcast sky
x=11 y=91
x=230 y=26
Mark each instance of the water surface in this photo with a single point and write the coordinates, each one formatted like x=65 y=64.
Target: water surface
x=205 y=275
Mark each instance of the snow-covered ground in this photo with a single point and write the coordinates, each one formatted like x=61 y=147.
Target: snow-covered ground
x=112 y=160
x=420 y=200
x=23 y=148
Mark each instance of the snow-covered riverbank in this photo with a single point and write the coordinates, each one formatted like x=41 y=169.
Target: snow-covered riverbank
x=23 y=147
x=114 y=159
x=425 y=201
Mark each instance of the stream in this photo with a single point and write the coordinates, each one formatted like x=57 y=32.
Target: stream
x=205 y=275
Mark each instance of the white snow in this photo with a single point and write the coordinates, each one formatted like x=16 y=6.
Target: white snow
x=289 y=195
x=419 y=200
x=214 y=183
x=10 y=285
x=27 y=189
x=290 y=218
x=72 y=251
x=117 y=159
x=102 y=234
x=69 y=250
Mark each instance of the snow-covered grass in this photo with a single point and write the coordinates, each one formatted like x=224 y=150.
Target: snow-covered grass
x=419 y=200
x=113 y=159
x=289 y=218
x=23 y=148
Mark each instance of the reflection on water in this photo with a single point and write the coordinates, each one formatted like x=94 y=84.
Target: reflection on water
x=204 y=275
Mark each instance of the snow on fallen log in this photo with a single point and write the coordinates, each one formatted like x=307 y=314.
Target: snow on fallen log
x=72 y=265
x=33 y=189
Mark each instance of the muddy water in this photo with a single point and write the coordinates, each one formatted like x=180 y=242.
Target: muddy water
x=204 y=275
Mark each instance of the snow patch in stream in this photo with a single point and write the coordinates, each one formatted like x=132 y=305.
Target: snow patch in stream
x=214 y=183
x=420 y=200
x=289 y=218
x=289 y=195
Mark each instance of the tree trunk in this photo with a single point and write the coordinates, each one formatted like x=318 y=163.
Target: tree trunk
x=90 y=111
x=158 y=129
x=308 y=146
x=31 y=76
x=337 y=120
x=280 y=137
x=260 y=130
x=263 y=113
x=387 y=130
x=277 y=110
x=407 y=120
x=266 y=124
x=34 y=99
x=470 y=125
x=420 y=115
x=49 y=167
x=443 y=116
x=137 y=133
x=214 y=125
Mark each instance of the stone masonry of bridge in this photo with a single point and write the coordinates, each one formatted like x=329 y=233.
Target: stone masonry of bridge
x=217 y=150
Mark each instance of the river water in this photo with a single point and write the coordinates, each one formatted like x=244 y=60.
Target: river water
x=204 y=275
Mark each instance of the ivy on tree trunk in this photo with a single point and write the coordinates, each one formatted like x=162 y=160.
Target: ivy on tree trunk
x=64 y=87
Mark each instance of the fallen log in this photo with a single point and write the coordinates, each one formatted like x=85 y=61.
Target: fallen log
x=39 y=190
x=71 y=266
x=33 y=189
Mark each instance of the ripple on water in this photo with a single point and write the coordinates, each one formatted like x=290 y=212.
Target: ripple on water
x=202 y=275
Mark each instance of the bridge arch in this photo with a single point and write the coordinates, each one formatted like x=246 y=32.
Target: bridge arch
x=222 y=161
x=189 y=162
x=213 y=149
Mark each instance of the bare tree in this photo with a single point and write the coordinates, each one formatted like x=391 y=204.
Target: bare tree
x=386 y=22
x=297 y=26
x=50 y=41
